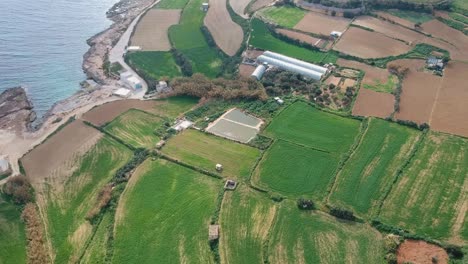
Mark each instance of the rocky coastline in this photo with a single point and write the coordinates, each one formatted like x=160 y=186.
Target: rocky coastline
x=16 y=110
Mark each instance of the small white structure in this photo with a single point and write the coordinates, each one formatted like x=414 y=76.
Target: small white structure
x=205 y=7
x=213 y=232
x=279 y=100
x=133 y=82
x=336 y=34
x=259 y=71
x=133 y=48
x=182 y=125
x=122 y=92
x=219 y=167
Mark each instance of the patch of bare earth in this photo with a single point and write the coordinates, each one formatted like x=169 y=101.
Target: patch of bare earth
x=366 y=44
x=239 y=7
x=420 y=252
x=300 y=36
x=151 y=32
x=389 y=29
x=227 y=34
x=322 y=24
x=372 y=74
x=246 y=70
x=371 y=103
x=450 y=113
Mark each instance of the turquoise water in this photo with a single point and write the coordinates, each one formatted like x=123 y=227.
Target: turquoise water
x=42 y=43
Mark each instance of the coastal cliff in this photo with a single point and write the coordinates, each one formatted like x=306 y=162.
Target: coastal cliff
x=16 y=111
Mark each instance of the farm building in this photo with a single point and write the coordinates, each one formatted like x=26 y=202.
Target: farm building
x=259 y=71
x=134 y=48
x=182 y=125
x=133 y=82
x=336 y=34
x=435 y=63
x=290 y=67
x=213 y=232
x=296 y=62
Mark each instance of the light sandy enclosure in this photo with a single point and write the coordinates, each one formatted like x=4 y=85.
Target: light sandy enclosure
x=389 y=29
x=322 y=24
x=227 y=34
x=372 y=74
x=151 y=32
x=239 y=7
x=366 y=44
x=299 y=36
x=371 y=103
x=451 y=108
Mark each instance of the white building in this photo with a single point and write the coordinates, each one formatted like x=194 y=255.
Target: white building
x=133 y=48
x=284 y=65
x=4 y=167
x=122 y=92
x=336 y=34
x=259 y=71
x=133 y=82
x=182 y=125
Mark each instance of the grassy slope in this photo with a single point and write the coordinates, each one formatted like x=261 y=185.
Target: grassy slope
x=66 y=210
x=12 y=234
x=262 y=38
x=372 y=167
x=304 y=124
x=174 y=106
x=205 y=151
x=387 y=87
x=166 y=216
x=188 y=38
x=314 y=237
x=156 y=64
x=428 y=196
x=296 y=170
x=246 y=217
x=136 y=128
x=171 y=4
x=285 y=16
x=461 y=4
x=412 y=16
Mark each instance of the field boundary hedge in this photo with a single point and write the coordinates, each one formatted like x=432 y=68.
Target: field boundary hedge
x=181 y=163
x=102 y=130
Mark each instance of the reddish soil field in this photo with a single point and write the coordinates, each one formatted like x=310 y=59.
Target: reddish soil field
x=389 y=29
x=299 y=36
x=322 y=24
x=107 y=112
x=440 y=30
x=246 y=70
x=450 y=112
x=366 y=44
x=413 y=65
x=420 y=252
x=252 y=54
x=397 y=20
x=372 y=74
x=227 y=34
x=371 y=103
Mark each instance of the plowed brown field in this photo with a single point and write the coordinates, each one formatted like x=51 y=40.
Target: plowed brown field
x=413 y=251
x=322 y=24
x=459 y=48
x=227 y=34
x=371 y=103
x=397 y=20
x=366 y=44
x=300 y=36
x=389 y=29
x=151 y=32
x=239 y=6
x=450 y=112
x=372 y=74
x=107 y=112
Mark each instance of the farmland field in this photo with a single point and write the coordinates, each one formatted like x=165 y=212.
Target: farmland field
x=136 y=128
x=188 y=38
x=156 y=64
x=322 y=24
x=306 y=125
x=431 y=196
x=239 y=7
x=263 y=39
x=371 y=103
x=314 y=237
x=205 y=151
x=13 y=237
x=171 y=4
x=389 y=29
x=295 y=170
x=246 y=217
x=96 y=251
x=284 y=16
x=371 y=168
x=415 y=17
x=300 y=36
x=383 y=87
x=166 y=216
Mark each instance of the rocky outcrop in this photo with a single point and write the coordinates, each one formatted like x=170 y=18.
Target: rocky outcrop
x=16 y=111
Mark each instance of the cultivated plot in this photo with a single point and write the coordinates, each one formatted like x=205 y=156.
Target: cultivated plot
x=156 y=64
x=371 y=169
x=431 y=196
x=205 y=151
x=372 y=75
x=285 y=16
x=322 y=24
x=13 y=242
x=171 y=4
x=246 y=217
x=151 y=32
x=164 y=217
x=236 y=125
x=136 y=128
x=314 y=237
x=301 y=37
x=239 y=7
x=372 y=103
x=389 y=29
x=259 y=4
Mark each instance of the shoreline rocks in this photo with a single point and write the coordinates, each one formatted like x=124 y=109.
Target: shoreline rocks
x=16 y=110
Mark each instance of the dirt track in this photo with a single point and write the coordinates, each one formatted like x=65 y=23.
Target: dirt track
x=371 y=103
x=413 y=251
x=151 y=32
x=322 y=24
x=227 y=34
x=357 y=42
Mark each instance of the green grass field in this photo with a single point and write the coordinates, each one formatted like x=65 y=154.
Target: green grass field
x=370 y=171
x=459 y=17
x=205 y=151
x=246 y=217
x=155 y=64
x=295 y=170
x=96 y=251
x=314 y=237
x=387 y=87
x=285 y=16
x=461 y=4
x=68 y=205
x=136 y=128
x=304 y=124
x=165 y=216
x=173 y=106
x=12 y=234
x=262 y=38
x=415 y=17
x=188 y=38
x=171 y=4
x=431 y=195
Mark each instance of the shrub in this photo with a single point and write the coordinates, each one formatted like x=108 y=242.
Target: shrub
x=183 y=62
x=342 y=213
x=305 y=204
x=19 y=189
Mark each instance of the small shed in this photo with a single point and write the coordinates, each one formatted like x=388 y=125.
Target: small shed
x=219 y=167
x=213 y=232
x=161 y=86
x=205 y=7
x=230 y=185
x=182 y=125
x=336 y=34
x=133 y=48
x=133 y=82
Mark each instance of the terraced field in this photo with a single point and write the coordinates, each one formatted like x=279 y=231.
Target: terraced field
x=13 y=237
x=205 y=151
x=369 y=172
x=431 y=196
x=314 y=237
x=164 y=216
x=285 y=16
x=246 y=217
x=136 y=128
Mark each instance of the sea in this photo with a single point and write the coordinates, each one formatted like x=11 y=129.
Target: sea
x=42 y=43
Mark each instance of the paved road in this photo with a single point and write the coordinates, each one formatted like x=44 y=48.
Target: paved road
x=117 y=52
